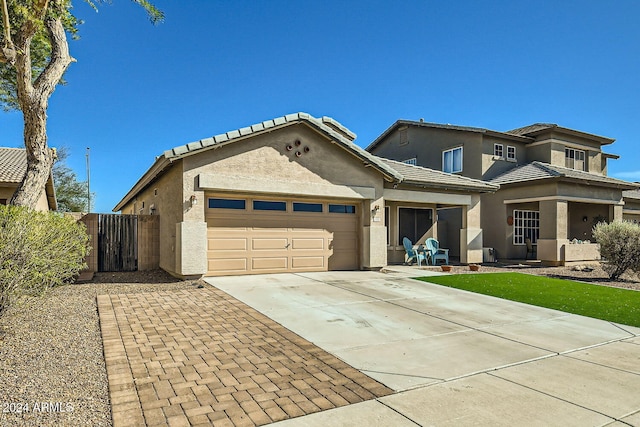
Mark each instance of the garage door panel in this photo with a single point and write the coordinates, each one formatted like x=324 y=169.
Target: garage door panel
x=229 y=265
x=301 y=262
x=230 y=244
x=269 y=243
x=300 y=243
x=272 y=263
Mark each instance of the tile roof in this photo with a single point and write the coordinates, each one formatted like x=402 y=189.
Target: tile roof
x=400 y=123
x=13 y=164
x=326 y=125
x=434 y=178
x=538 y=170
x=536 y=128
x=631 y=194
x=525 y=130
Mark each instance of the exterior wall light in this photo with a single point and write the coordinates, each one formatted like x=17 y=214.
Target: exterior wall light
x=193 y=199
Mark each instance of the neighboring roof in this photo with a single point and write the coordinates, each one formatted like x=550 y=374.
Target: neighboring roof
x=401 y=123
x=325 y=125
x=537 y=170
x=632 y=194
x=538 y=128
x=13 y=166
x=432 y=178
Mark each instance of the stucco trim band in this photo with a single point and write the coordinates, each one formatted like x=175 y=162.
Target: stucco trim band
x=253 y=185
x=426 y=197
x=566 y=199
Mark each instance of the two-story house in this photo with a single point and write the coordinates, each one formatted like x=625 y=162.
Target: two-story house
x=553 y=185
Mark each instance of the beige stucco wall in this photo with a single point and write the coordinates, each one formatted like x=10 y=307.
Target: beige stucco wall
x=169 y=206
x=7 y=190
x=427 y=144
x=493 y=166
x=264 y=163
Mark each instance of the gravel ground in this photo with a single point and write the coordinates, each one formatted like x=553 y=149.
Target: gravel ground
x=51 y=356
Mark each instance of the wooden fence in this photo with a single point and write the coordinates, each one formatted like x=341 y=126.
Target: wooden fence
x=122 y=242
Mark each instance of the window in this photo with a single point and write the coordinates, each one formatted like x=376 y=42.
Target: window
x=414 y=223
x=498 y=150
x=307 y=207
x=574 y=159
x=526 y=225
x=264 y=205
x=155 y=191
x=511 y=153
x=344 y=209
x=452 y=160
x=227 y=204
x=411 y=161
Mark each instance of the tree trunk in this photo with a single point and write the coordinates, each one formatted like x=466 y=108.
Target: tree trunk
x=39 y=158
x=34 y=100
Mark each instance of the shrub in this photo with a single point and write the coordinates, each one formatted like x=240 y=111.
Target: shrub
x=38 y=250
x=619 y=246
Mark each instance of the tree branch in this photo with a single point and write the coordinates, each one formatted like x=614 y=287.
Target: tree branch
x=46 y=82
x=8 y=50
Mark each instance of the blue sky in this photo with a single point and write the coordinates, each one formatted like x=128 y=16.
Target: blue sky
x=214 y=66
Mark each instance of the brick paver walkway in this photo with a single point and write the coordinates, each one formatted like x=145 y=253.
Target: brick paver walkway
x=201 y=357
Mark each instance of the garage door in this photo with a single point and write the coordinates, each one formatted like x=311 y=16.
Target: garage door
x=254 y=235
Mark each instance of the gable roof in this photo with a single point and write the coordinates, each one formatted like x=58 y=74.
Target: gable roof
x=418 y=175
x=537 y=170
x=538 y=128
x=327 y=126
x=13 y=166
x=423 y=124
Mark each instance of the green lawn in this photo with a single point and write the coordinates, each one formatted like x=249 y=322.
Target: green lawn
x=602 y=302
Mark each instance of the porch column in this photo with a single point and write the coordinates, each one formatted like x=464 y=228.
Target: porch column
x=615 y=212
x=554 y=231
x=471 y=233
x=374 y=235
x=191 y=248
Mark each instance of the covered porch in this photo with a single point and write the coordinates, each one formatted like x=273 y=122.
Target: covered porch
x=452 y=219
x=559 y=229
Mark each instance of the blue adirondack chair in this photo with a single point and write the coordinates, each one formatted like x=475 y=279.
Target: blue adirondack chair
x=436 y=252
x=412 y=253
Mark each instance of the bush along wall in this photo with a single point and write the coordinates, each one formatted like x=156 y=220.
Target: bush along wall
x=38 y=250
x=619 y=246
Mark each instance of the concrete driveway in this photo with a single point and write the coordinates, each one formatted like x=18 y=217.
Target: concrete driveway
x=454 y=357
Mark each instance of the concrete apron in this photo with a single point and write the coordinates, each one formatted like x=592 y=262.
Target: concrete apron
x=455 y=358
